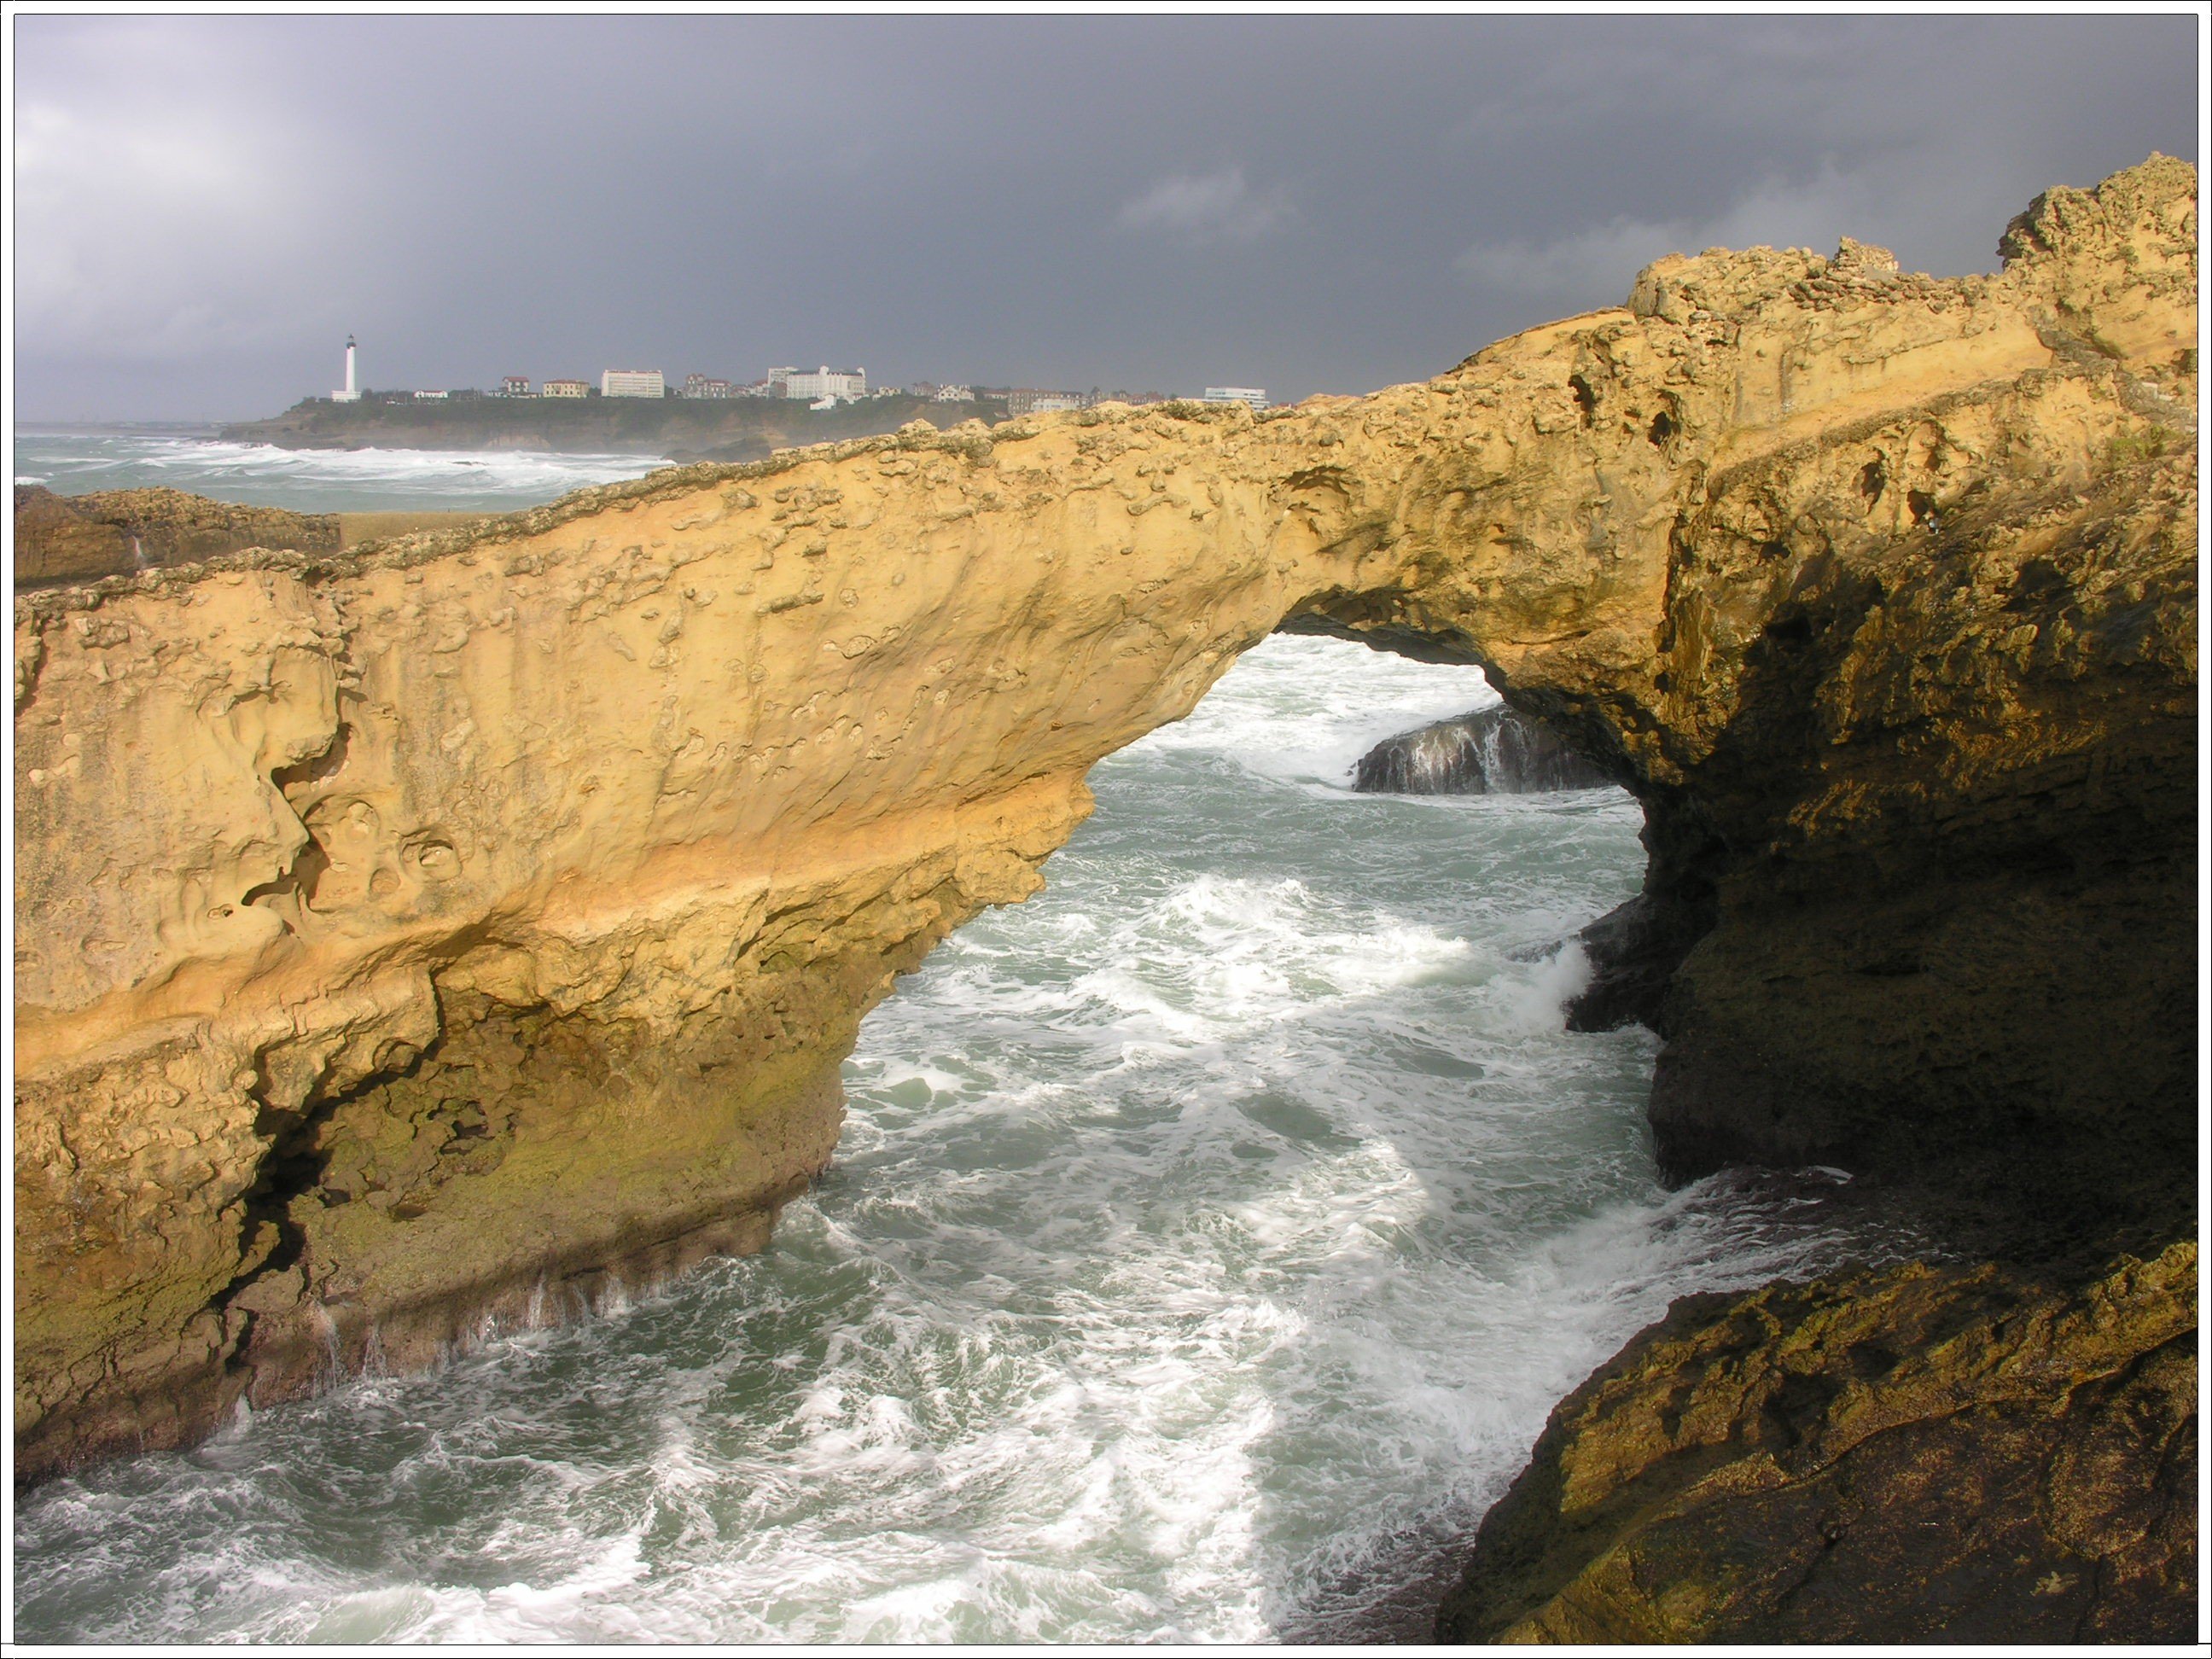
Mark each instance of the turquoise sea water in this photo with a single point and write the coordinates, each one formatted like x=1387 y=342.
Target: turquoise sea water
x=1208 y=1240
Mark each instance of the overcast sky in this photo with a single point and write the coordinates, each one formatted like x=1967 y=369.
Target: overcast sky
x=206 y=206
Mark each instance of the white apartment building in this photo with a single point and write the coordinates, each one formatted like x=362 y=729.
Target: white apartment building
x=847 y=383
x=514 y=385
x=1256 y=396
x=632 y=383
x=1043 y=400
x=564 y=389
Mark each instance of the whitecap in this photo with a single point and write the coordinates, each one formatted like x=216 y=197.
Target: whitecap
x=1208 y=1241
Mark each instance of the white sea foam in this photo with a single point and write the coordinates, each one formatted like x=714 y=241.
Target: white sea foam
x=1283 y=711
x=316 y=480
x=1207 y=1234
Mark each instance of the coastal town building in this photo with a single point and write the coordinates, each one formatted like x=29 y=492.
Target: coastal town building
x=351 y=392
x=1256 y=396
x=822 y=388
x=844 y=384
x=1036 y=400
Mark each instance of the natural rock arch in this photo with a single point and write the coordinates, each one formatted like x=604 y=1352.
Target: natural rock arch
x=399 y=933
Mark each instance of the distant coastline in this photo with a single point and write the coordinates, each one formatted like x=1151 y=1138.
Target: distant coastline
x=681 y=428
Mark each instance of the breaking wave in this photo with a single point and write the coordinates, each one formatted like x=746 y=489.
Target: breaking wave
x=316 y=480
x=1208 y=1241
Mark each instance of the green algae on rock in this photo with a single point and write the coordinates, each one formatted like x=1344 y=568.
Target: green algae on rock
x=1924 y=1455
x=114 y=532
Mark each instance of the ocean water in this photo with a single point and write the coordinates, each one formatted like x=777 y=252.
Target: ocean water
x=76 y=462
x=1208 y=1240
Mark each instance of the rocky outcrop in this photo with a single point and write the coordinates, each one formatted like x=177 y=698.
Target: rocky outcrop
x=1927 y=1455
x=74 y=539
x=406 y=936
x=1492 y=751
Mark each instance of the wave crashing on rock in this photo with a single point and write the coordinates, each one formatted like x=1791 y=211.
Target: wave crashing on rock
x=1486 y=751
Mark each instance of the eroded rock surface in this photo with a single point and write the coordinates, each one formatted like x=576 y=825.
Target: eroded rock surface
x=74 y=539
x=1492 y=751
x=1927 y=1455
x=405 y=937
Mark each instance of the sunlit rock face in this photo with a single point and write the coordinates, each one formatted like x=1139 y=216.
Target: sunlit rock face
x=1925 y=1455
x=1492 y=751
x=410 y=937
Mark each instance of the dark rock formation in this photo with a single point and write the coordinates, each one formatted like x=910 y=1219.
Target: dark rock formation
x=1926 y=1454
x=1490 y=751
x=1976 y=810
x=74 y=539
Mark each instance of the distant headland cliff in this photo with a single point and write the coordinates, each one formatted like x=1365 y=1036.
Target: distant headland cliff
x=681 y=428
x=407 y=936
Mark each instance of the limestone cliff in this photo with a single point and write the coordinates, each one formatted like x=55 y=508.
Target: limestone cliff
x=405 y=937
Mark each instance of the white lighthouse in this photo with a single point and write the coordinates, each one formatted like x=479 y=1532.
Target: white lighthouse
x=352 y=392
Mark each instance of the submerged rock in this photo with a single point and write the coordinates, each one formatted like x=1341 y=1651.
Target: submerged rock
x=1490 y=751
x=1924 y=1454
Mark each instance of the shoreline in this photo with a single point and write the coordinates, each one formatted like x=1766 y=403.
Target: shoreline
x=685 y=429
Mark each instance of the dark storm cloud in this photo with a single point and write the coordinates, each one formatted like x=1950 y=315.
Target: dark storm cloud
x=206 y=205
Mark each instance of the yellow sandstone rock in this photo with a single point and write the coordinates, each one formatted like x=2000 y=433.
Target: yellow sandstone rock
x=406 y=936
